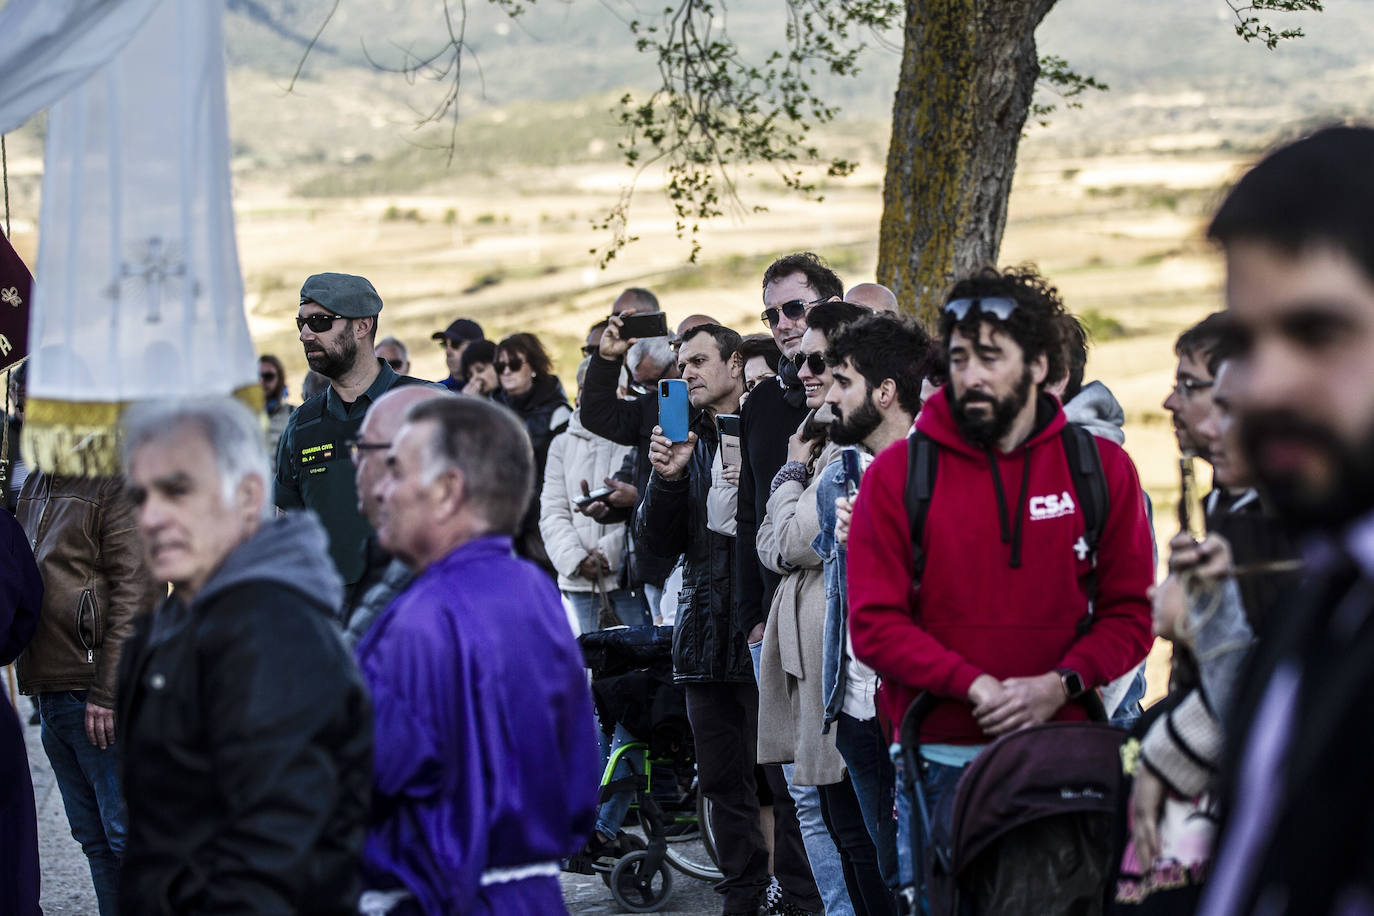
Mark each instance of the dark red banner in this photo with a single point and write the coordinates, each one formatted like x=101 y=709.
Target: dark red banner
x=16 y=289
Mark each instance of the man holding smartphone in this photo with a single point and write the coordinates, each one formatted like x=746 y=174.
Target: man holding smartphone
x=791 y=285
x=710 y=658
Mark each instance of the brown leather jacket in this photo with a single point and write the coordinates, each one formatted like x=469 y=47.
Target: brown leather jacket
x=95 y=580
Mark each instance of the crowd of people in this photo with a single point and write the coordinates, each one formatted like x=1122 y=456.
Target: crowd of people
x=363 y=690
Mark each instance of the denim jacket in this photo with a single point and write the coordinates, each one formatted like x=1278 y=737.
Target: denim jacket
x=834 y=672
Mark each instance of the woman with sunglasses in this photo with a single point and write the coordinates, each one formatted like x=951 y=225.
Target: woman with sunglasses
x=843 y=858
x=529 y=387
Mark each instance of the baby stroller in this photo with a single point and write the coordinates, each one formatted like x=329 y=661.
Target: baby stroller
x=1029 y=828
x=632 y=684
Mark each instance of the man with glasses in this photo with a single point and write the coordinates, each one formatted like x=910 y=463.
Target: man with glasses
x=455 y=339
x=1190 y=399
x=396 y=354
x=387 y=577
x=337 y=321
x=988 y=610
x=791 y=286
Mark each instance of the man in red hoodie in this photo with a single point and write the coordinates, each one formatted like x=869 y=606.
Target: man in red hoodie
x=994 y=622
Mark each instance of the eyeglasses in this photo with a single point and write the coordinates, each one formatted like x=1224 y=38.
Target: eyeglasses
x=813 y=361
x=396 y=364
x=514 y=364
x=793 y=310
x=356 y=448
x=318 y=323
x=1186 y=387
x=1000 y=307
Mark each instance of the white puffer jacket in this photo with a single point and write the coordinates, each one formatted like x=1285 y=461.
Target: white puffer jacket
x=577 y=455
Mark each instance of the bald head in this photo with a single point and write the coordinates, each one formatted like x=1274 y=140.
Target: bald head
x=874 y=295
x=693 y=321
x=380 y=426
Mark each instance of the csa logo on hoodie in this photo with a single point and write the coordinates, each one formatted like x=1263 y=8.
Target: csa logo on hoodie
x=1051 y=506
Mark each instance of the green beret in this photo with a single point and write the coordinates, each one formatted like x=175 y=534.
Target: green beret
x=342 y=294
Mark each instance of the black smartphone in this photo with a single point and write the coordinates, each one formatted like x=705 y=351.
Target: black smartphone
x=646 y=324
x=727 y=424
x=813 y=429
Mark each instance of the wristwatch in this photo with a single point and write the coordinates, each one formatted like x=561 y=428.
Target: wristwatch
x=1073 y=682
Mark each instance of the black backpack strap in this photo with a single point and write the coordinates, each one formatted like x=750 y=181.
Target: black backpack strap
x=922 y=461
x=1089 y=484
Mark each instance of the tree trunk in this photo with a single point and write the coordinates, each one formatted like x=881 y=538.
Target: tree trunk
x=968 y=72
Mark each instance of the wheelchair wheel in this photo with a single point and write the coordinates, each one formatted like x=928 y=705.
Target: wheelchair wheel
x=638 y=890
x=708 y=833
x=628 y=841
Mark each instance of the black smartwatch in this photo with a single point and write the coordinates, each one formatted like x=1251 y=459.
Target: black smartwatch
x=1073 y=682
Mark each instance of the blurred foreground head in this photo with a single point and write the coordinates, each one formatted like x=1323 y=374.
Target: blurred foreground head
x=199 y=478
x=1298 y=235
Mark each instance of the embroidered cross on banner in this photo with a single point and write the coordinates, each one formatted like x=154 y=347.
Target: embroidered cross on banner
x=159 y=265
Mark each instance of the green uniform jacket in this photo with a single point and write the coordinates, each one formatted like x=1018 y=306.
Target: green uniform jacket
x=314 y=470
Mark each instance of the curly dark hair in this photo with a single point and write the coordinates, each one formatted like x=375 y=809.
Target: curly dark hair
x=529 y=347
x=1034 y=325
x=829 y=317
x=882 y=347
x=818 y=274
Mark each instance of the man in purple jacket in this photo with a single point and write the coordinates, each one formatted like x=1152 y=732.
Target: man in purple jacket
x=486 y=766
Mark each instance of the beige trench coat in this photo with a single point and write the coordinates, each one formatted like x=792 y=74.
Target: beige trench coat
x=791 y=703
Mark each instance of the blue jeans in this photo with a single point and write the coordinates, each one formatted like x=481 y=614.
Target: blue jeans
x=88 y=779
x=940 y=780
x=865 y=753
x=821 y=852
x=611 y=815
x=628 y=606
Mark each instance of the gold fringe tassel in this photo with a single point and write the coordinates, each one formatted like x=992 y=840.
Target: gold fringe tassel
x=81 y=438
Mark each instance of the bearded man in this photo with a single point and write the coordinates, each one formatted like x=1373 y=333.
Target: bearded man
x=337 y=321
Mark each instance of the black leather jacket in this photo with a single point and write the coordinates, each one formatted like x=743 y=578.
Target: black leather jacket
x=671 y=520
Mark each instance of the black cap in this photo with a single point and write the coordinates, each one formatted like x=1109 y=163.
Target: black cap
x=461 y=330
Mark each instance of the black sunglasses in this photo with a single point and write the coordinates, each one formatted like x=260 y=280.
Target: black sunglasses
x=357 y=446
x=514 y=364
x=268 y=376
x=589 y=349
x=814 y=361
x=793 y=310
x=318 y=323
x=1000 y=307
x=396 y=364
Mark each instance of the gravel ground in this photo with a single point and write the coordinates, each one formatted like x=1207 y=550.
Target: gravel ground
x=67 y=881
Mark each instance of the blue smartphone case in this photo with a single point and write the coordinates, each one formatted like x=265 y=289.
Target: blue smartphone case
x=673 y=409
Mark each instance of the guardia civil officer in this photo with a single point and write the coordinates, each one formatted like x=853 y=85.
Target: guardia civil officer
x=338 y=328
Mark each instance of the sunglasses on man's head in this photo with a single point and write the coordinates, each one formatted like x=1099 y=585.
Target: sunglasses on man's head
x=513 y=363
x=318 y=323
x=794 y=310
x=814 y=361
x=999 y=307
